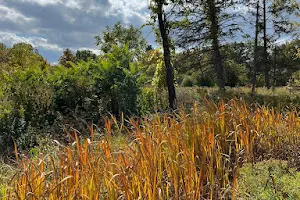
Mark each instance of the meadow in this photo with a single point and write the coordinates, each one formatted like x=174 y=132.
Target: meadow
x=212 y=148
x=205 y=105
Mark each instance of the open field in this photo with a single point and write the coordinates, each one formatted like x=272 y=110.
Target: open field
x=196 y=154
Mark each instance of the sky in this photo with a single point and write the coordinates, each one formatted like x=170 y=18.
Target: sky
x=51 y=26
x=54 y=25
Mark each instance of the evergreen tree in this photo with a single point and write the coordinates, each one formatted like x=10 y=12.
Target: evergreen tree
x=205 y=23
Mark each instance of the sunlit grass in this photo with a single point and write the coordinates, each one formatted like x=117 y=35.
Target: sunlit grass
x=194 y=155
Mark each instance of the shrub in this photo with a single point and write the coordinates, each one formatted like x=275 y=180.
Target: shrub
x=146 y=100
x=26 y=103
x=187 y=82
x=36 y=98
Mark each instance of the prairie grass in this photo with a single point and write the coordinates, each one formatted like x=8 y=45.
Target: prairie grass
x=279 y=98
x=183 y=155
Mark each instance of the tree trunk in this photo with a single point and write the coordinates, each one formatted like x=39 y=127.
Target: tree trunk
x=214 y=34
x=265 y=57
x=167 y=54
x=255 y=63
x=275 y=67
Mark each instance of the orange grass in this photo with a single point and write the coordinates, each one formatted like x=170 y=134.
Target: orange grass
x=183 y=156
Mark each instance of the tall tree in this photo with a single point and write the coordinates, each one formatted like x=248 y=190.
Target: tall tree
x=277 y=22
x=158 y=12
x=119 y=36
x=255 y=62
x=213 y=17
x=265 y=50
x=67 y=58
x=85 y=55
x=285 y=62
x=205 y=23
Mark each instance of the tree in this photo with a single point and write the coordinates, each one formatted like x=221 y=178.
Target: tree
x=67 y=58
x=24 y=55
x=85 y=55
x=205 y=23
x=120 y=36
x=255 y=62
x=284 y=62
x=195 y=64
x=117 y=83
x=277 y=22
x=236 y=63
x=158 y=12
x=3 y=55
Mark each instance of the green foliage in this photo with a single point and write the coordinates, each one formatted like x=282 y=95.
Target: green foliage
x=285 y=62
x=159 y=84
x=187 y=82
x=149 y=62
x=67 y=58
x=85 y=55
x=21 y=55
x=268 y=180
x=295 y=81
x=29 y=105
x=119 y=36
x=159 y=79
x=235 y=73
x=108 y=85
x=31 y=91
x=37 y=98
x=146 y=100
x=117 y=81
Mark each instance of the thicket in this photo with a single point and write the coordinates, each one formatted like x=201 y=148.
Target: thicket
x=39 y=98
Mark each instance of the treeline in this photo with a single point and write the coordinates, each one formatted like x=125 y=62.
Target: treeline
x=198 y=27
x=194 y=68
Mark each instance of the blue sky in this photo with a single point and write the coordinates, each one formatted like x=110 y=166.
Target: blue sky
x=54 y=25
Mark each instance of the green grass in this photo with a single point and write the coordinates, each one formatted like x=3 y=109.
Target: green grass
x=268 y=180
x=280 y=97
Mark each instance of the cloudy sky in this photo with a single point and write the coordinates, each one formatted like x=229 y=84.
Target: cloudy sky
x=54 y=25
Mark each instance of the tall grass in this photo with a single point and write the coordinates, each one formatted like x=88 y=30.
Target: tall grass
x=193 y=155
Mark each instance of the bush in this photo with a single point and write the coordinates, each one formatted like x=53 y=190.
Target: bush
x=26 y=103
x=187 y=82
x=35 y=98
x=146 y=100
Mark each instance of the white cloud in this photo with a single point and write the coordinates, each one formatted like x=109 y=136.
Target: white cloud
x=73 y=4
x=38 y=42
x=59 y=24
x=283 y=40
x=54 y=63
x=13 y=15
x=129 y=8
x=43 y=2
